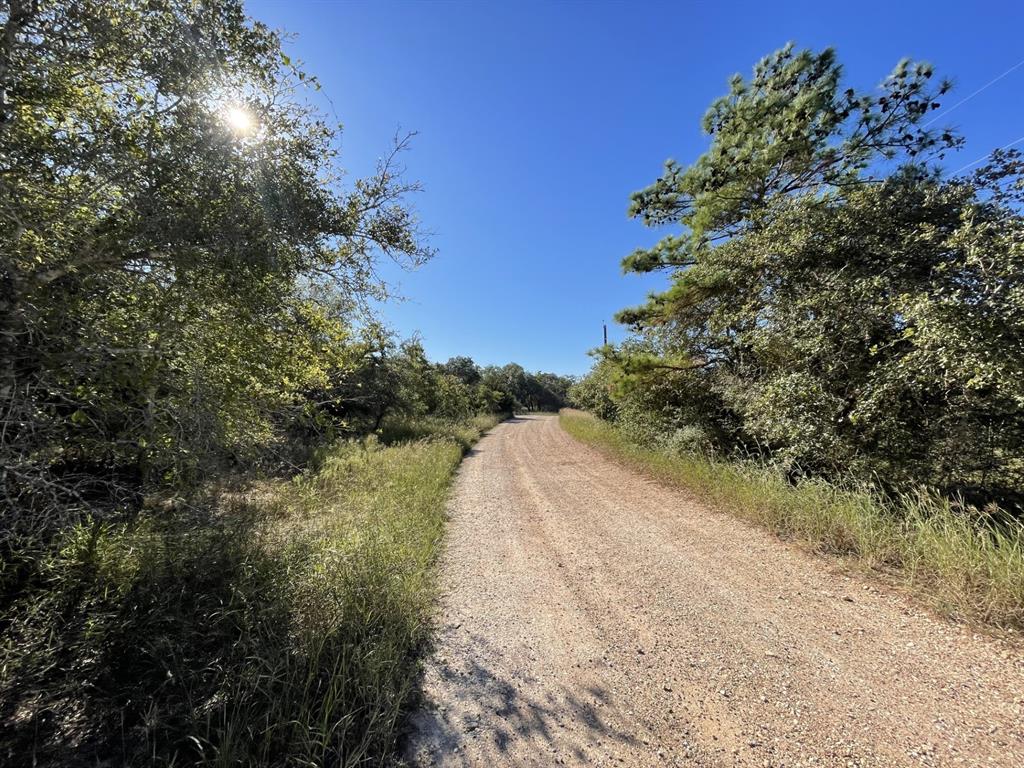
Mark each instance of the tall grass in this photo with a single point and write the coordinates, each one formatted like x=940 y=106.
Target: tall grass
x=278 y=627
x=967 y=564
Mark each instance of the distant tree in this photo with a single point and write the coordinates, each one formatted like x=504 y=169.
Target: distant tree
x=509 y=379
x=454 y=399
x=550 y=390
x=463 y=368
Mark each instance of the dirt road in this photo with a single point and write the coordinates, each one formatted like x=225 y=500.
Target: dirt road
x=593 y=617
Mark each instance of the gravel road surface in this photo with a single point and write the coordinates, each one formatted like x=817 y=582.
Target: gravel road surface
x=591 y=616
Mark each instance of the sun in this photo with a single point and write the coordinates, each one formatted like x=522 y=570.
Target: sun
x=239 y=119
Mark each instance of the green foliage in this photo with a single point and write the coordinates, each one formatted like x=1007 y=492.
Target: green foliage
x=968 y=566
x=526 y=391
x=789 y=130
x=464 y=369
x=281 y=629
x=548 y=391
x=835 y=306
x=171 y=282
x=463 y=432
x=392 y=379
x=183 y=304
x=594 y=391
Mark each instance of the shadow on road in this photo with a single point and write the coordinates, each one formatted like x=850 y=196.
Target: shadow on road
x=485 y=712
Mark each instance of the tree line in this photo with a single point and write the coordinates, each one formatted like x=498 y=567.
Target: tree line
x=837 y=305
x=395 y=379
x=184 y=278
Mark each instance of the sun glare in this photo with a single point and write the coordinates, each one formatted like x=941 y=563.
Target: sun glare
x=239 y=119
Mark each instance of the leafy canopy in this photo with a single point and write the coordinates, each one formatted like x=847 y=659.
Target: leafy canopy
x=834 y=304
x=790 y=129
x=180 y=259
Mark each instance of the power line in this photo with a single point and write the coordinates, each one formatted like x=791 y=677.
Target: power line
x=986 y=86
x=986 y=156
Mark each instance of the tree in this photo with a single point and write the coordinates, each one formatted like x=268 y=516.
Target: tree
x=834 y=304
x=179 y=259
x=547 y=391
x=790 y=130
x=464 y=369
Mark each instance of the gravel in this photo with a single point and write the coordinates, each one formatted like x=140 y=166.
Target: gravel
x=591 y=616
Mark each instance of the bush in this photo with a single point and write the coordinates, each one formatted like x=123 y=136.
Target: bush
x=593 y=392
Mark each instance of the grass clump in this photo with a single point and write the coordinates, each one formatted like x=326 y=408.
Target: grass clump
x=278 y=626
x=970 y=564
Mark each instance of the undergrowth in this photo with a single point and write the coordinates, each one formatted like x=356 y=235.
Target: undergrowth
x=968 y=563
x=276 y=627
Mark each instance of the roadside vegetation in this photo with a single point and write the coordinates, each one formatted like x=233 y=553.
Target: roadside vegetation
x=279 y=625
x=841 y=313
x=222 y=479
x=967 y=564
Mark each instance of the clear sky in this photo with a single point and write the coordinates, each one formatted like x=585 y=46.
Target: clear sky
x=537 y=120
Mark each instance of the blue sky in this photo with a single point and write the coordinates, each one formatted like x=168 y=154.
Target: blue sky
x=537 y=120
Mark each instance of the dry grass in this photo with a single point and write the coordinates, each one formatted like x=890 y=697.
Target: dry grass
x=967 y=564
